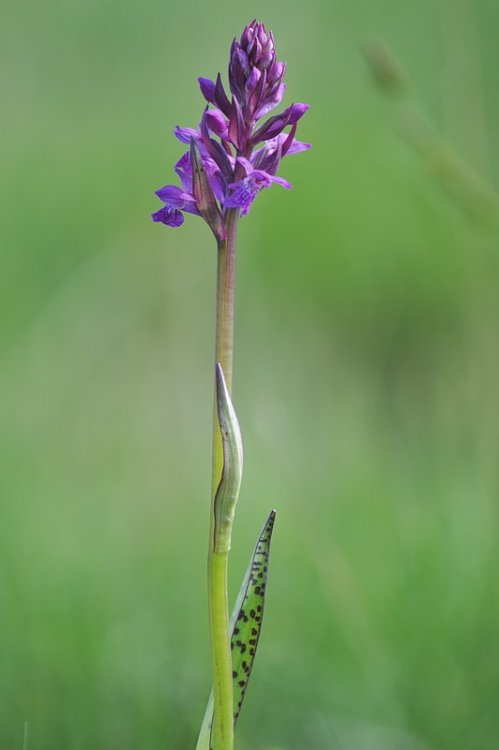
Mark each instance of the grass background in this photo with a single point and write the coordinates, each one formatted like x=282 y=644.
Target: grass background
x=366 y=381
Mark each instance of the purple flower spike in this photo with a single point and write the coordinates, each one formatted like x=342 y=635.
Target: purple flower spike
x=232 y=156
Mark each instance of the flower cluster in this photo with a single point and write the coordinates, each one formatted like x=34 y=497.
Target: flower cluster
x=232 y=156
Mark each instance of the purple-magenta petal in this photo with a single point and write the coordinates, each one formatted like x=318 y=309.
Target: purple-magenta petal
x=243 y=192
x=271 y=103
x=215 y=150
x=277 y=123
x=237 y=126
x=260 y=178
x=207 y=87
x=242 y=197
x=184 y=170
x=286 y=141
x=283 y=139
x=296 y=111
x=297 y=147
x=216 y=122
x=278 y=70
x=262 y=34
x=270 y=129
x=243 y=61
x=221 y=98
x=248 y=166
x=269 y=157
x=258 y=49
x=252 y=80
x=218 y=186
x=185 y=135
x=171 y=194
x=190 y=208
x=281 y=181
x=172 y=217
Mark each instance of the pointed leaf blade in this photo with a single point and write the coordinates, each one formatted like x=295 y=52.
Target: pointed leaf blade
x=247 y=627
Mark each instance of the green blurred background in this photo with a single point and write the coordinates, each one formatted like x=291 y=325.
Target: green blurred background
x=366 y=381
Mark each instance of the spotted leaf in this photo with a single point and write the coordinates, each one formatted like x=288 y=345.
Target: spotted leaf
x=245 y=625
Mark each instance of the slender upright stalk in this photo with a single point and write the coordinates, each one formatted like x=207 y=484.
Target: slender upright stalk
x=223 y=723
x=232 y=157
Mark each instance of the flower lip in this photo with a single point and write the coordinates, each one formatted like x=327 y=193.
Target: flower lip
x=168 y=215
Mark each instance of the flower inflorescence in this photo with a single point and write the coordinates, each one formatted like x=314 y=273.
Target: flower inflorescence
x=231 y=156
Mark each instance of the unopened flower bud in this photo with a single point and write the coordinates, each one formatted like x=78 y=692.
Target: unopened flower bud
x=255 y=74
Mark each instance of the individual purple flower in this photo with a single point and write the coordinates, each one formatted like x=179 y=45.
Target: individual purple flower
x=232 y=155
x=244 y=191
x=176 y=200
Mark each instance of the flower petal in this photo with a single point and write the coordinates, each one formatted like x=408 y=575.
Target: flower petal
x=221 y=97
x=276 y=124
x=248 y=166
x=261 y=178
x=272 y=102
x=185 y=135
x=281 y=181
x=217 y=185
x=242 y=197
x=174 y=196
x=245 y=191
x=252 y=80
x=184 y=170
x=296 y=111
x=215 y=150
x=216 y=122
x=297 y=147
x=207 y=87
x=168 y=215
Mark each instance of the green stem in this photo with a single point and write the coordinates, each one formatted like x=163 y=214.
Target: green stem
x=223 y=721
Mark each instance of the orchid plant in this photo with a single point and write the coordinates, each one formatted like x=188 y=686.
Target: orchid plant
x=232 y=156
